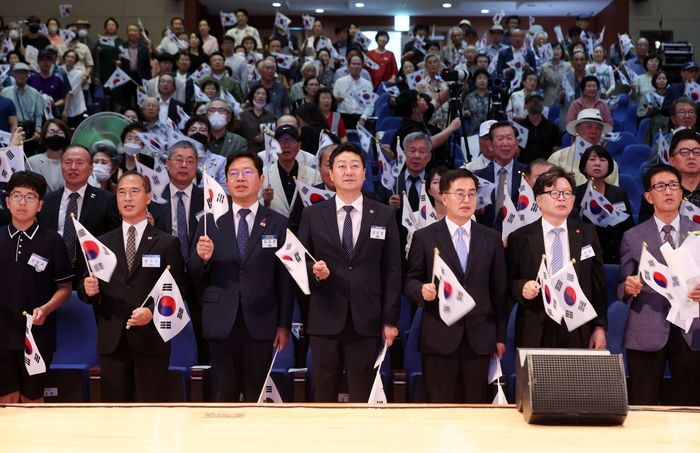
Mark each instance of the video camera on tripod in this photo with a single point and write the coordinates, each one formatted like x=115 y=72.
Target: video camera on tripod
x=498 y=98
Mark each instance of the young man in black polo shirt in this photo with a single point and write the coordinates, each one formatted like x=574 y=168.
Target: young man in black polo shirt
x=38 y=276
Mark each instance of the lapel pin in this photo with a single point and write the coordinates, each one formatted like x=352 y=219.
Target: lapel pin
x=150 y=238
x=262 y=224
x=371 y=211
x=92 y=195
x=578 y=231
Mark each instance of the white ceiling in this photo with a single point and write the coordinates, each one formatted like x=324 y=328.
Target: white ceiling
x=467 y=8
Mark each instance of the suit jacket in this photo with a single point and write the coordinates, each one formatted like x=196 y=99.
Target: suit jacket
x=647 y=328
x=259 y=286
x=143 y=65
x=675 y=91
x=279 y=202
x=372 y=276
x=233 y=143
x=506 y=55
x=523 y=258
x=489 y=216
x=163 y=214
x=126 y=291
x=484 y=280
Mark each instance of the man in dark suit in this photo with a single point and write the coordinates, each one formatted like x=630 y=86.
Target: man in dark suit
x=517 y=39
x=179 y=217
x=503 y=169
x=689 y=73
x=456 y=358
x=138 y=66
x=249 y=301
x=418 y=149
x=574 y=240
x=168 y=103
x=649 y=338
x=95 y=209
x=133 y=356
x=356 y=283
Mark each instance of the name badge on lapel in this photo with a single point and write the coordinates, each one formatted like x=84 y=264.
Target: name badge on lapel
x=150 y=260
x=37 y=262
x=269 y=241
x=587 y=252
x=377 y=232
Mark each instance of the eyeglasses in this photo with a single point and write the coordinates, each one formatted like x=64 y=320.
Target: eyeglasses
x=221 y=110
x=56 y=134
x=133 y=193
x=247 y=174
x=16 y=197
x=555 y=194
x=179 y=161
x=685 y=113
x=685 y=152
x=661 y=187
x=460 y=196
x=291 y=141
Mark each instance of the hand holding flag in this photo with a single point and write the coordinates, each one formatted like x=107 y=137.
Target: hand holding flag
x=292 y=254
x=454 y=300
x=227 y=19
x=282 y=22
x=169 y=314
x=308 y=21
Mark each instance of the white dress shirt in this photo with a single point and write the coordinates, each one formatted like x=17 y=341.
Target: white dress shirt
x=419 y=184
x=346 y=87
x=64 y=206
x=355 y=216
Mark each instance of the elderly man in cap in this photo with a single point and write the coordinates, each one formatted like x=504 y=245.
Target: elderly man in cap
x=471 y=37
x=280 y=190
x=543 y=138
x=582 y=22
x=496 y=34
x=485 y=156
x=28 y=103
x=590 y=127
x=689 y=73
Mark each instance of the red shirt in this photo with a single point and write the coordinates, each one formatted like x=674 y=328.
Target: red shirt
x=387 y=66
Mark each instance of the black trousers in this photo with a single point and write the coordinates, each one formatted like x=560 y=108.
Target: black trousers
x=460 y=377
x=239 y=364
x=647 y=371
x=128 y=376
x=357 y=352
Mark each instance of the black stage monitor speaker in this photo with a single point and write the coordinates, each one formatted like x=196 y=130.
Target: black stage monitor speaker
x=571 y=386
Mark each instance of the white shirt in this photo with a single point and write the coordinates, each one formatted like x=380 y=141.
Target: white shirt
x=419 y=184
x=549 y=241
x=675 y=232
x=250 y=218
x=452 y=228
x=140 y=227
x=163 y=114
x=239 y=34
x=174 y=199
x=508 y=175
x=355 y=216
x=346 y=87
x=64 y=206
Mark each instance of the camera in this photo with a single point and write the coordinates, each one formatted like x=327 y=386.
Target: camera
x=455 y=76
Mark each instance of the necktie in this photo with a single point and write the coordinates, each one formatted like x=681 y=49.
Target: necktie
x=243 y=234
x=557 y=251
x=69 y=236
x=667 y=235
x=130 y=247
x=462 y=252
x=500 y=191
x=182 y=232
x=347 y=232
x=413 y=193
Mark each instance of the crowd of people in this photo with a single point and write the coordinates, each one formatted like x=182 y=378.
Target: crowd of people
x=228 y=96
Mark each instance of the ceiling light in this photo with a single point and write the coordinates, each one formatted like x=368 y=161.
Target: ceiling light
x=484 y=11
x=276 y=4
x=319 y=10
x=359 y=5
x=402 y=22
x=447 y=5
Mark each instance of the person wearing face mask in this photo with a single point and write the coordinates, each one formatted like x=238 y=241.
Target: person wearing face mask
x=543 y=138
x=53 y=36
x=54 y=136
x=33 y=37
x=254 y=118
x=13 y=34
x=198 y=129
x=133 y=146
x=105 y=166
x=221 y=141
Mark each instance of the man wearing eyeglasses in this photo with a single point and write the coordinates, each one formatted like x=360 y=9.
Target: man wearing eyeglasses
x=561 y=240
x=650 y=339
x=247 y=305
x=167 y=99
x=222 y=141
x=684 y=115
x=456 y=357
x=280 y=190
x=133 y=360
x=684 y=155
x=689 y=73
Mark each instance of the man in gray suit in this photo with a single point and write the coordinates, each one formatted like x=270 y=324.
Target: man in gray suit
x=649 y=338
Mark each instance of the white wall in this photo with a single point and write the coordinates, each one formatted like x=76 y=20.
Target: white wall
x=681 y=16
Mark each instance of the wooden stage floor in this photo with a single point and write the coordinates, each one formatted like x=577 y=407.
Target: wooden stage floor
x=213 y=428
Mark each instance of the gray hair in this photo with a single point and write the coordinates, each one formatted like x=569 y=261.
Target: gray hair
x=410 y=138
x=228 y=107
x=449 y=33
x=681 y=100
x=430 y=55
x=182 y=144
x=546 y=35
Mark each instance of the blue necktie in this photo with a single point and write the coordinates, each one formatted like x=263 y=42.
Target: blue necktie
x=557 y=251
x=242 y=236
x=462 y=252
x=182 y=233
x=347 y=232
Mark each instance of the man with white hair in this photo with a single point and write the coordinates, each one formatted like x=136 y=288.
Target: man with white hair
x=297 y=90
x=456 y=46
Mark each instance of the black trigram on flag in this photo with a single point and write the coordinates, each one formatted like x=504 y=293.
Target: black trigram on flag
x=675 y=282
x=460 y=297
x=165 y=325
x=651 y=263
x=446 y=308
x=156 y=181
x=27 y=361
x=534 y=207
x=297 y=257
x=10 y=155
x=98 y=266
x=81 y=233
x=669 y=296
x=37 y=358
x=511 y=218
x=305 y=190
x=582 y=306
x=180 y=312
x=569 y=314
x=558 y=285
x=4 y=173
x=167 y=287
x=268 y=389
x=570 y=277
x=646 y=275
x=220 y=198
x=288 y=246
